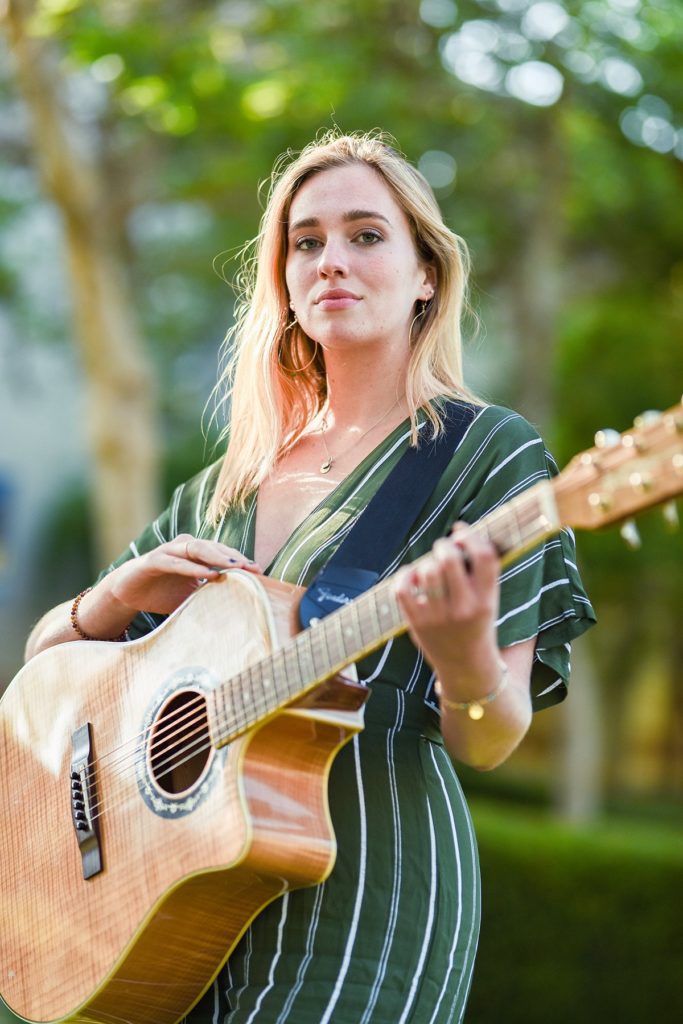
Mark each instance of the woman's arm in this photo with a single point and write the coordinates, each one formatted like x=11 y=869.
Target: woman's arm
x=451 y=605
x=158 y=581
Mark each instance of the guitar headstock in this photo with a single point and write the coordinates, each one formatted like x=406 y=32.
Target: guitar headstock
x=624 y=473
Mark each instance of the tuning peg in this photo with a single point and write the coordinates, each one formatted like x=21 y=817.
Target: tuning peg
x=607 y=438
x=670 y=513
x=640 y=481
x=629 y=532
x=647 y=417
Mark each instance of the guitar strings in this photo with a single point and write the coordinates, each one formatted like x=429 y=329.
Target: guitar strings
x=172 y=736
x=105 y=760
x=241 y=719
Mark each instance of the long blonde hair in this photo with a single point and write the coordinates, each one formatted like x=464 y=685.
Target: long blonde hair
x=274 y=373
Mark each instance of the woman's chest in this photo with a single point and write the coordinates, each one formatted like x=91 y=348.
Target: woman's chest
x=285 y=501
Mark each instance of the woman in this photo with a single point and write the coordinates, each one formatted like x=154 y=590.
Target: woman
x=345 y=342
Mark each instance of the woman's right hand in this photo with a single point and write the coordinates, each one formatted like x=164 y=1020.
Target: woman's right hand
x=162 y=579
x=158 y=581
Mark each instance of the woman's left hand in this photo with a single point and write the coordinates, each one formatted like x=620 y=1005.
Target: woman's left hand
x=450 y=601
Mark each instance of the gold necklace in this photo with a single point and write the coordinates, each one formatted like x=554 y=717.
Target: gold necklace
x=327 y=465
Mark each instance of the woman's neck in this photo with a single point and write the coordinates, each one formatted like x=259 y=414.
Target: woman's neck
x=360 y=390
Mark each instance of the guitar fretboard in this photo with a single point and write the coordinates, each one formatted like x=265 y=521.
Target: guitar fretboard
x=362 y=625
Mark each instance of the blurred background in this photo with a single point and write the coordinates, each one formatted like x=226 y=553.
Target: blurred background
x=134 y=138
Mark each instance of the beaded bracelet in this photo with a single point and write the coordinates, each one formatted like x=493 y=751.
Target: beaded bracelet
x=475 y=708
x=86 y=636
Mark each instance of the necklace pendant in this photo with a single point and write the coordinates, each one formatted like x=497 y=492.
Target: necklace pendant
x=326 y=466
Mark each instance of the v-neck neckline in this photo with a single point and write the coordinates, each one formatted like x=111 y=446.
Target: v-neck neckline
x=332 y=497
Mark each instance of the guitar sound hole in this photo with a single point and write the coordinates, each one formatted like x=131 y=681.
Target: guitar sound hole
x=180 y=745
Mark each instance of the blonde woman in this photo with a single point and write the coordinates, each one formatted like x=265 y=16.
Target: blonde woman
x=346 y=344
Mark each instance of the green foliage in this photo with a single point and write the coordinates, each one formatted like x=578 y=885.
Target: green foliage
x=572 y=208
x=576 y=924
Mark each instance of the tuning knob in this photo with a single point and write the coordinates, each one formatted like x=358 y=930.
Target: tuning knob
x=607 y=438
x=647 y=417
x=670 y=513
x=629 y=532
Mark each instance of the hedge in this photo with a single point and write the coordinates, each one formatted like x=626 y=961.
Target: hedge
x=578 y=924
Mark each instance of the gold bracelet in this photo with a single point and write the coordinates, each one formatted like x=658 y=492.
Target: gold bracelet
x=475 y=708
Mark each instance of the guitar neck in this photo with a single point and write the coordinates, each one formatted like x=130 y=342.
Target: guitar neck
x=361 y=626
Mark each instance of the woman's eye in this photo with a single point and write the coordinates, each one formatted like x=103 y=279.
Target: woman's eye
x=368 y=237
x=306 y=243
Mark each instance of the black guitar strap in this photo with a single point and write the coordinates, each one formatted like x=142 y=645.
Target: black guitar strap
x=368 y=548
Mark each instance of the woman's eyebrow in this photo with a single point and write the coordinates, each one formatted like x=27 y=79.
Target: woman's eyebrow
x=364 y=215
x=350 y=215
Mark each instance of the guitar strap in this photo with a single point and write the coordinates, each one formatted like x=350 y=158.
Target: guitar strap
x=367 y=550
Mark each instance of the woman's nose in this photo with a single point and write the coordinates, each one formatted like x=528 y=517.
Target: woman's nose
x=333 y=259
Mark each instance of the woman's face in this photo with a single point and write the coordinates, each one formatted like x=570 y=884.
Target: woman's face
x=352 y=271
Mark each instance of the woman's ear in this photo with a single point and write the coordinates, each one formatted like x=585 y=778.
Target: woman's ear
x=428 y=282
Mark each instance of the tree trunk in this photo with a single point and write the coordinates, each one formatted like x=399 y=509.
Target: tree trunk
x=122 y=408
x=534 y=292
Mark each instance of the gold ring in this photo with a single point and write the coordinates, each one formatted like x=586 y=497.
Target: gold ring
x=430 y=593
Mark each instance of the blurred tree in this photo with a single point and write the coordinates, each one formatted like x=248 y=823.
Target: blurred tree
x=75 y=173
x=550 y=131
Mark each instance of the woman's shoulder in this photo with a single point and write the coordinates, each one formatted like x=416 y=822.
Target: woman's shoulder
x=501 y=419
x=189 y=502
x=497 y=432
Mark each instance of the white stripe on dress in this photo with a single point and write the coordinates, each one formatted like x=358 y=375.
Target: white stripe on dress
x=510 y=457
x=350 y=941
x=273 y=964
x=398 y=857
x=247 y=958
x=308 y=955
x=458 y=863
x=417 y=977
x=175 y=505
x=472 y=939
x=534 y=600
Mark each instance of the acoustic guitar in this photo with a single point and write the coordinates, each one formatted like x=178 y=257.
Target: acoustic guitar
x=157 y=795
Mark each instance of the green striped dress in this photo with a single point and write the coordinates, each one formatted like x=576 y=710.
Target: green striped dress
x=391 y=936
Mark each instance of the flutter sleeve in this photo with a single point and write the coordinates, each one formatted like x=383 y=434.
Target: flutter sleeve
x=186 y=513
x=541 y=592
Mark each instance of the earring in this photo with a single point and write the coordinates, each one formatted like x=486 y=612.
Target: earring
x=286 y=353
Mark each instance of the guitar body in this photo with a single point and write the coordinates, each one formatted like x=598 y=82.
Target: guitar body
x=187 y=858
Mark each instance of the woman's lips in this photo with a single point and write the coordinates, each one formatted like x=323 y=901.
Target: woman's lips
x=337 y=298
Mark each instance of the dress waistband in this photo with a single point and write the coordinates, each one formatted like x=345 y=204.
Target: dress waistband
x=391 y=707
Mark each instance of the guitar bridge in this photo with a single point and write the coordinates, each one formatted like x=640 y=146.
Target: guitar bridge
x=84 y=801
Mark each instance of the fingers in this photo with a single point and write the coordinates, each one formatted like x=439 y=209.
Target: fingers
x=457 y=581
x=190 y=556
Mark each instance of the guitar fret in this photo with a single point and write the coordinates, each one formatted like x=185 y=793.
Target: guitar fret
x=366 y=631
x=372 y=604
x=389 y=614
x=335 y=637
x=280 y=673
x=305 y=659
x=319 y=652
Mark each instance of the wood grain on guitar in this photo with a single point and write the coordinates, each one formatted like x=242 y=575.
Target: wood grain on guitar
x=157 y=795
